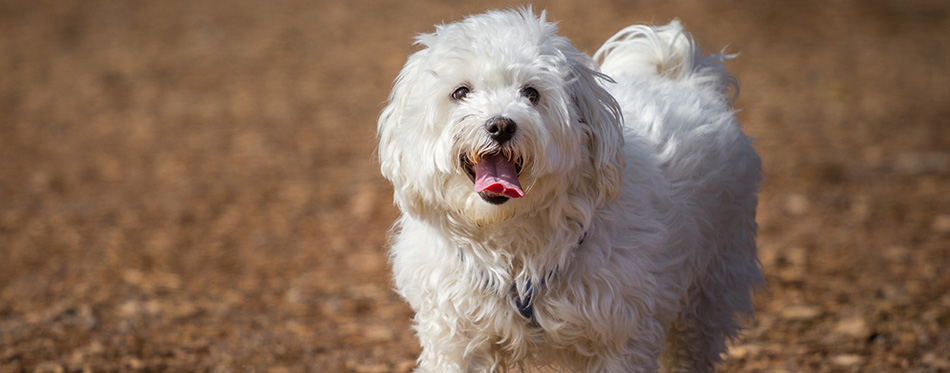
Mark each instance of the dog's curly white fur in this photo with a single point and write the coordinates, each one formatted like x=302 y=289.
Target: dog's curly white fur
x=633 y=245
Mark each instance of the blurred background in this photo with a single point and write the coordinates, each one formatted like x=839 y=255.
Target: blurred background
x=192 y=185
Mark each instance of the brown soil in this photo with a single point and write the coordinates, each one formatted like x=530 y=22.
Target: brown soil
x=191 y=185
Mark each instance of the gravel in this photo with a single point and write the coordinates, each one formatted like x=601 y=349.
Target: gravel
x=191 y=186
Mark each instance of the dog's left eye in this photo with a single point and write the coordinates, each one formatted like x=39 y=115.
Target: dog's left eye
x=531 y=94
x=460 y=93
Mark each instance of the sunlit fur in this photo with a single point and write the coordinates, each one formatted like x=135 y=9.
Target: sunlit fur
x=639 y=155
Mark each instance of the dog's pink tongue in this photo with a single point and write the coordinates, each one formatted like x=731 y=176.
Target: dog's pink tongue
x=496 y=174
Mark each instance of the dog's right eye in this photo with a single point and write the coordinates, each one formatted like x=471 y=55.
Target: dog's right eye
x=460 y=93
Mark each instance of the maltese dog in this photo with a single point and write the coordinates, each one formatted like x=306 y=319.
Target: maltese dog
x=562 y=211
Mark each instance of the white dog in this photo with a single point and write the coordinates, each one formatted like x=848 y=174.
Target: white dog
x=561 y=213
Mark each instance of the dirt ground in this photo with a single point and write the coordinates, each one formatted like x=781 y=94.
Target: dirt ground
x=191 y=185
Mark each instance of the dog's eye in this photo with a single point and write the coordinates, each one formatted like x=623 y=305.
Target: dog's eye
x=460 y=93
x=531 y=94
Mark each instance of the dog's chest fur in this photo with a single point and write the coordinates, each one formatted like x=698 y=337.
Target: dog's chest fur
x=525 y=288
x=525 y=291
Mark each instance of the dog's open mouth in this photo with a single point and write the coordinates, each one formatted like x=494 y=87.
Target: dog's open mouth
x=495 y=176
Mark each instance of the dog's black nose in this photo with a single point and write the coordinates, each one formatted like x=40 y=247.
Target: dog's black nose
x=501 y=129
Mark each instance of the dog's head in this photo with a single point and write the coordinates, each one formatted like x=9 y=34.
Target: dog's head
x=498 y=115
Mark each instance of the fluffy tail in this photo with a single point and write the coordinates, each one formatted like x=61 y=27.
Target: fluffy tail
x=666 y=51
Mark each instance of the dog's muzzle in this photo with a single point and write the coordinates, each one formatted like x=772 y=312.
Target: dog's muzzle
x=495 y=171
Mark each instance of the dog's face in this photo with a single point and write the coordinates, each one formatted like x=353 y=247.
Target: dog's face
x=496 y=116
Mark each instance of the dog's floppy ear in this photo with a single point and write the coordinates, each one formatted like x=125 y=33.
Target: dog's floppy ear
x=601 y=115
x=391 y=156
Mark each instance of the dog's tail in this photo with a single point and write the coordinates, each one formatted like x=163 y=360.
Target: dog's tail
x=665 y=51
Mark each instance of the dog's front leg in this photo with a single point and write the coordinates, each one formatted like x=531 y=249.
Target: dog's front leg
x=446 y=349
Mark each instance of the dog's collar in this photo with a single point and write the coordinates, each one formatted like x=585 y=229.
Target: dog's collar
x=525 y=304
